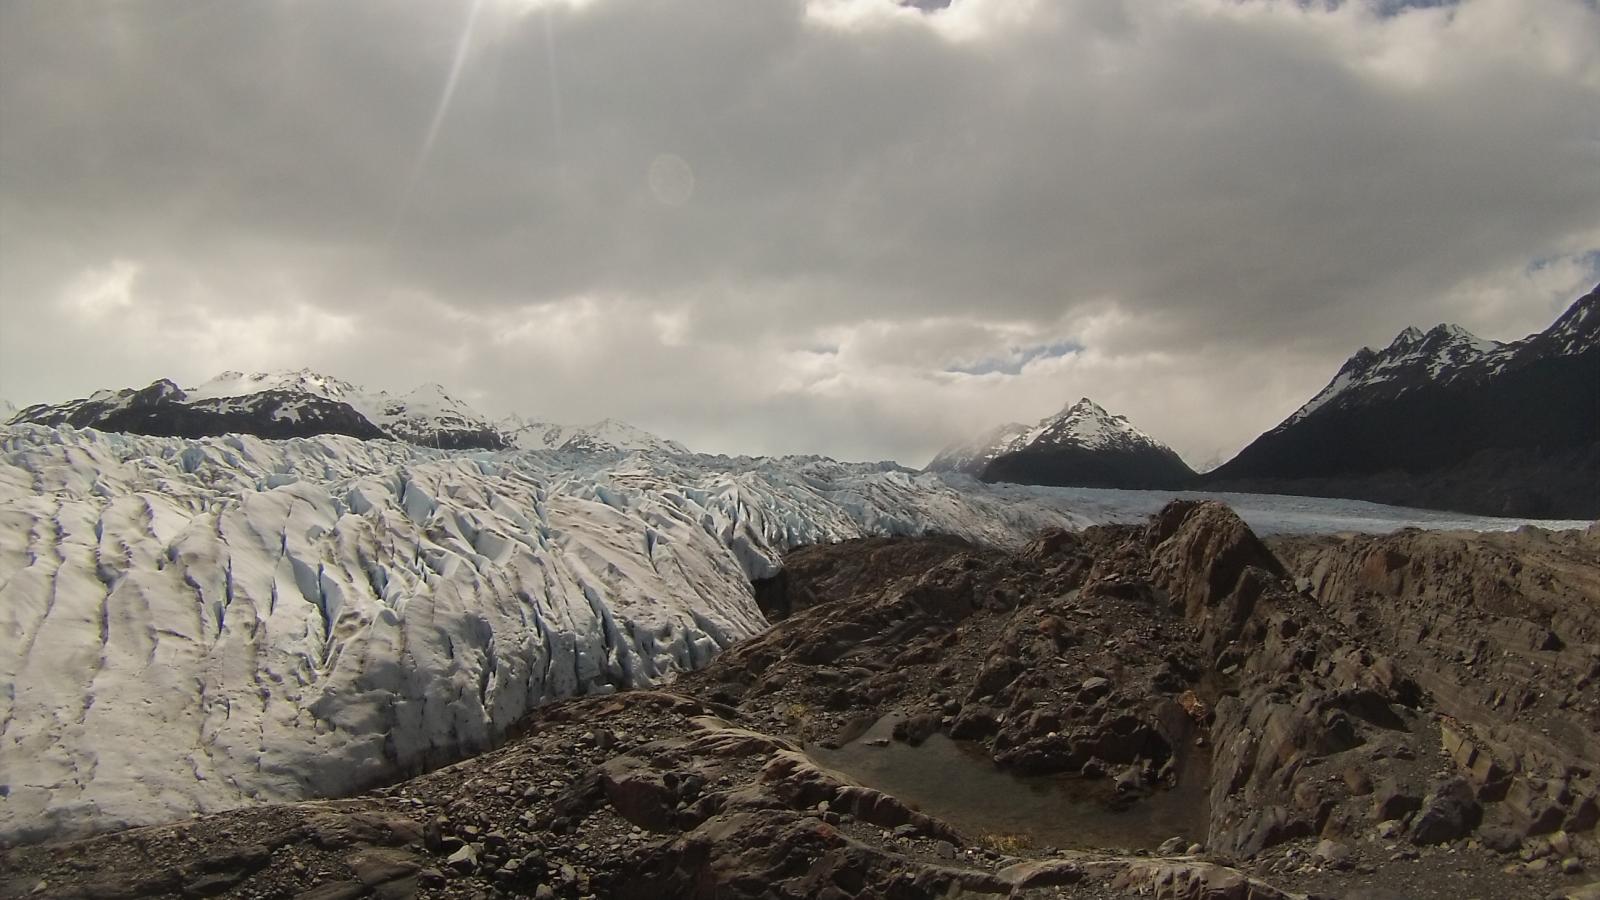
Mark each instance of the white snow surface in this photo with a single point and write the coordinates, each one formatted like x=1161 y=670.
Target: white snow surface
x=192 y=625
x=604 y=436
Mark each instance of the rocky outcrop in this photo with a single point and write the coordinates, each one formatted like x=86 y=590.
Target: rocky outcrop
x=572 y=810
x=1502 y=632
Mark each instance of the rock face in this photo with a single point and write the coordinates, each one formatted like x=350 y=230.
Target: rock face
x=1502 y=633
x=1081 y=446
x=1446 y=420
x=1128 y=659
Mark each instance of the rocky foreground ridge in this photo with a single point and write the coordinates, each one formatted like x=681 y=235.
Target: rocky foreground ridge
x=1406 y=716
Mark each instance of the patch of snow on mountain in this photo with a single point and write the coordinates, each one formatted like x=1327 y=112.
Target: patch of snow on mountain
x=605 y=436
x=192 y=625
x=1084 y=424
x=1578 y=329
x=418 y=416
x=304 y=381
x=1412 y=358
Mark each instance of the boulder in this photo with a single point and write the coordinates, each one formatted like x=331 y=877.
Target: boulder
x=1448 y=813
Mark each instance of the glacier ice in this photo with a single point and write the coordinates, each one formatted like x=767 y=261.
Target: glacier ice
x=192 y=625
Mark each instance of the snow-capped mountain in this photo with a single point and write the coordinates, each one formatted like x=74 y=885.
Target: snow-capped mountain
x=1081 y=446
x=188 y=625
x=426 y=416
x=276 y=405
x=163 y=408
x=304 y=403
x=1446 y=419
x=1412 y=359
x=604 y=436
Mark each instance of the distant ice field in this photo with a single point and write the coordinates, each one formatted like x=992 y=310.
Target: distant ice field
x=1272 y=513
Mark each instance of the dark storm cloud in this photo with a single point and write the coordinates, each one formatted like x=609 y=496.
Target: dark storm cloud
x=661 y=210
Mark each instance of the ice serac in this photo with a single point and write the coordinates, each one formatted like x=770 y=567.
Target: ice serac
x=188 y=625
x=1447 y=420
x=1081 y=446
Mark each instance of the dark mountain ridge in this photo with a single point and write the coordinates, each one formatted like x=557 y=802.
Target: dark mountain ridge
x=164 y=410
x=1445 y=420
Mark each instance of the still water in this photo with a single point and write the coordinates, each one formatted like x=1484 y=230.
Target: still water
x=956 y=782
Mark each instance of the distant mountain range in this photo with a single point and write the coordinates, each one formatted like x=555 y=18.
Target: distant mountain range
x=305 y=403
x=1449 y=420
x=1082 y=446
x=1437 y=419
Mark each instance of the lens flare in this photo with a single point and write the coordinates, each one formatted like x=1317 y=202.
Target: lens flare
x=457 y=63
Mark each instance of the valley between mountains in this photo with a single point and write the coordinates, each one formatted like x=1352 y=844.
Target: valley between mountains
x=1440 y=419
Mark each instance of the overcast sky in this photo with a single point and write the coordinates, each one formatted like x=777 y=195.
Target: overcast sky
x=837 y=226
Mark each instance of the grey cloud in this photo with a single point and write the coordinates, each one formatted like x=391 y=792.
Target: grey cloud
x=1184 y=190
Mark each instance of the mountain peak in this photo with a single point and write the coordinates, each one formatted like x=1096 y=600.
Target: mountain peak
x=1086 y=424
x=1084 y=406
x=1475 y=425
x=1081 y=427
x=1408 y=336
x=233 y=383
x=1441 y=352
x=1579 y=327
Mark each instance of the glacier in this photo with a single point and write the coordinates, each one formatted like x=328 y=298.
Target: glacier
x=190 y=625
x=1270 y=514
